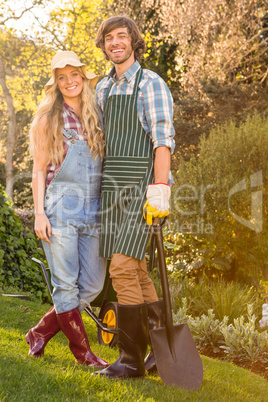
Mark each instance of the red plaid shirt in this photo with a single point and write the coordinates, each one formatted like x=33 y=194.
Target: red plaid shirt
x=70 y=122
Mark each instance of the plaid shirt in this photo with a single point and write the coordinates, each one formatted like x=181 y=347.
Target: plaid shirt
x=154 y=103
x=73 y=126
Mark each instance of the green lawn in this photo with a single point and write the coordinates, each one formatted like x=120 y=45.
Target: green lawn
x=57 y=378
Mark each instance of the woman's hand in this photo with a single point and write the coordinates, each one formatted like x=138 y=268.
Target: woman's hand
x=42 y=227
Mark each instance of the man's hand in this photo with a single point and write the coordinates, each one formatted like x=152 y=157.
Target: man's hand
x=157 y=204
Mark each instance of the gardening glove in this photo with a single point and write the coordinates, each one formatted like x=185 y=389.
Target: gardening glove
x=157 y=204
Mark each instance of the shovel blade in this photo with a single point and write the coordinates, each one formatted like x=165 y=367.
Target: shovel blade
x=178 y=364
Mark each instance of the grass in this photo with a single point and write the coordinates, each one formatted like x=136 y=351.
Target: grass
x=57 y=378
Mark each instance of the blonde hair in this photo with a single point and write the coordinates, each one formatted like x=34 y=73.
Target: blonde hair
x=52 y=108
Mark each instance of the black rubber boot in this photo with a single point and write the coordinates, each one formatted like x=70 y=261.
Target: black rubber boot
x=132 y=342
x=156 y=320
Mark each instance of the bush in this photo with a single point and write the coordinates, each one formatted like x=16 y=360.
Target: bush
x=225 y=299
x=219 y=200
x=206 y=330
x=243 y=341
x=18 y=246
x=240 y=340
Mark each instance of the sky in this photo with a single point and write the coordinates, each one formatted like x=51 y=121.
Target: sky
x=27 y=23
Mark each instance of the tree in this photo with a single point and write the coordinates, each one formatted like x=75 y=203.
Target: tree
x=220 y=198
x=212 y=39
x=162 y=44
x=22 y=84
x=18 y=54
x=73 y=26
x=25 y=68
x=11 y=130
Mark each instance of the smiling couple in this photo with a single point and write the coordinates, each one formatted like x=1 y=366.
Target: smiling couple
x=71 y=185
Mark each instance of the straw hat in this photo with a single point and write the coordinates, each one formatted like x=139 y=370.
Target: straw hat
x=64 y=58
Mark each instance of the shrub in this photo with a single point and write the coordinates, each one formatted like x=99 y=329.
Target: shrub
x=220 y=198
x=240 y=340
x=206 y=330
x=18 y=246
x=243 y=341
x=225 y=299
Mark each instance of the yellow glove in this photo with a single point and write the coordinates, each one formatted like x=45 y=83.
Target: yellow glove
x=157 y=204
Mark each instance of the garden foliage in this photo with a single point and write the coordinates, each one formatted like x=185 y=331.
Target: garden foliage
x=239 y=340
x=224 y=298
x=220 y=199
x=18 y=246
x=243 y=340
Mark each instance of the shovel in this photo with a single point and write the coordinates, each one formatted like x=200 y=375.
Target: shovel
x=176 y=356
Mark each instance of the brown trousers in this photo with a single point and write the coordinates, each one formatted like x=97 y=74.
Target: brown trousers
x=131 y=280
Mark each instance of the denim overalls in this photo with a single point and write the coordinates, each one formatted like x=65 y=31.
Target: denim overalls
x=72 y=204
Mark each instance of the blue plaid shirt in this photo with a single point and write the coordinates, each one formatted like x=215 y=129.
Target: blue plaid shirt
x=154 y=103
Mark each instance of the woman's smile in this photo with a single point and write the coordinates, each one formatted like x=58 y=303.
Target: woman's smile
x=69 y=81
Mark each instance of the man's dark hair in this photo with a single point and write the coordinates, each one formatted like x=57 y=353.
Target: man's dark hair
x=120 y=21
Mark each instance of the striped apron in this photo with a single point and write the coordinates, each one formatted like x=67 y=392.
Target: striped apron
x=128 y=170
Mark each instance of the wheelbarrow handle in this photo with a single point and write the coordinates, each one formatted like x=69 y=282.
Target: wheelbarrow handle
x=99 y=322
x=44 y=271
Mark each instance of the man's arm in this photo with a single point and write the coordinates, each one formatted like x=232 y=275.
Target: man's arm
x=157 y=204
x=158 y=113
x=161 y=165
x=158 y=106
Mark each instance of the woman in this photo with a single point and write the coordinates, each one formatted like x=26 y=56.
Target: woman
x=67 y=145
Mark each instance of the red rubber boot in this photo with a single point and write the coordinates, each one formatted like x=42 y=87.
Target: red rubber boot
x=39 y=335
x=72 y=326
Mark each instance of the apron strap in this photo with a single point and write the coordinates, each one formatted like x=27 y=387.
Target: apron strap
x=137 y=81
x=135 y=88
x=107 y=93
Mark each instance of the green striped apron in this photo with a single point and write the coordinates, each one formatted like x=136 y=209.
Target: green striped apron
x=128 y=170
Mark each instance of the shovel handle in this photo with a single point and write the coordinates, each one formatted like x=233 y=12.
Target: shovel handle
x=165 y=288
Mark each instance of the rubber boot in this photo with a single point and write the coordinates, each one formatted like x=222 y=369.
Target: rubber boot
x=39 y=335
x=156 y=320
x=132 y=342
x=72 y=326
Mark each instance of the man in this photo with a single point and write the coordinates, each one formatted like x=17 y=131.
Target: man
x=138 y=111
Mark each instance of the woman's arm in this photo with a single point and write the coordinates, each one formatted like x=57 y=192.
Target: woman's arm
x=42 y=226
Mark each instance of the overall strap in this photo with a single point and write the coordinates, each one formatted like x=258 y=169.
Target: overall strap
x=66 y=134
x=70 y=133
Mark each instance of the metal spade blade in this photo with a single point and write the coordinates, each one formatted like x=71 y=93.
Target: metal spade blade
x=176 y=356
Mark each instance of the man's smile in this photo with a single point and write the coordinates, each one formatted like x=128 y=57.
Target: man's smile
x=117 y=50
